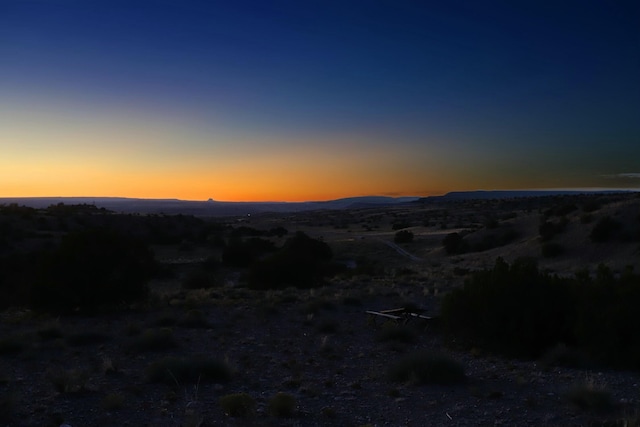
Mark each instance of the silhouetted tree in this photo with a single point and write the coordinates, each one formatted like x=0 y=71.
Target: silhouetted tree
x=603 y=229
x=454 y=244
x=301 y=262
x=242 y=253
x=90 y=270
x=403 y=236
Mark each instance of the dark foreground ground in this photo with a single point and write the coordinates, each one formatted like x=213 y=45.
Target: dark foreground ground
x=317 y=346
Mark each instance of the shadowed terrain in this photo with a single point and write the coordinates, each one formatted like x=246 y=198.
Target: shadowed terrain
x=113 y=319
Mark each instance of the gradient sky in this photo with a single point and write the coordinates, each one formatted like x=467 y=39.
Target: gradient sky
x=313 y=100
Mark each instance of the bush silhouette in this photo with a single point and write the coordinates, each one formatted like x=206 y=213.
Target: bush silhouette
x=512 y=309
x=238 y=405
x=403 y=236
x=427 y=367
x=92 y=269
x=519 y=311
x=282 y=405
x=549 y=229
x=552 y=249
x=242 y=253
x=454 y=244
x=301 y=262
x=601 y=232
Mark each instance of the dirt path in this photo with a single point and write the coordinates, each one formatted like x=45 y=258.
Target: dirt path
x=400 y=250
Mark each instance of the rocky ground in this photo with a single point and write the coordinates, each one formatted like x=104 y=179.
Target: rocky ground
x=317 y=346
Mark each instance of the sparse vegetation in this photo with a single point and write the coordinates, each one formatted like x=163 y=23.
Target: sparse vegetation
x=242 y=253
x=552 y=249
x=86 y=338
x=238 y=405
x=193 y=369
x=397 y=333
x=403 y=236
x=282 y=405
x=454 y=244
x=604 y=228
x=549 y=229
x=8 y=405
x=199 y=279
x=113 y=401
x=302 y=262
x=12 y=344
x=68 y=380
x=427 y=367
x=153 y=340
x=591 y=396
x=563 y=355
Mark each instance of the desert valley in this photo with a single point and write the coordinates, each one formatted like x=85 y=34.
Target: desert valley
x=509 y=311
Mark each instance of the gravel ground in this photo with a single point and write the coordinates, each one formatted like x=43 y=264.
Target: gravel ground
x=321 y=348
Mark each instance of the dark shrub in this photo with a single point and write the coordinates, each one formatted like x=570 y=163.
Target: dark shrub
x=195 y=319
x=426 y=367
x=551 y=249
x=591 y=397
x=400 y=225
x=493 y=240
x=591 y=206
x=565 y=209
x=150 y=340
x=403 y=236
x=92 y=269
x=238 y=405
x=508 y=309
x=454 y=244
x=491 y=223
x=199 y=279
x=193 y=369
x=586 y=218
x=519 y=311
x=12 y=344
x=244 y=231
x=16 y=270
x=282 y=405
x=398 y=333
x=549 y=229
x=85 y=338
x=601 y=232
x=302 y=262
x=242 y=253
x=278 y=232
x=563 y=355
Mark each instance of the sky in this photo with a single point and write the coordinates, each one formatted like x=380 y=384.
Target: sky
x=317 y=99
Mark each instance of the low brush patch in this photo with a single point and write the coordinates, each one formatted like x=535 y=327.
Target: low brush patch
x=178 y=370
x=427 y=367
x=238 y=405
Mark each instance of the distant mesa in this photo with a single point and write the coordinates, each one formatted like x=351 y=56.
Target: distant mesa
x=212 y=207
x=509 y=194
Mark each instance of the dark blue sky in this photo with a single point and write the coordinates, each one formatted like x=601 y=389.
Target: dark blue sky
x=375 y=97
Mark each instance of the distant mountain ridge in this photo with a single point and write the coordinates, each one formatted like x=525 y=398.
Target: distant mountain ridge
x=204 y=208
x=218 y=208
x=510 y=194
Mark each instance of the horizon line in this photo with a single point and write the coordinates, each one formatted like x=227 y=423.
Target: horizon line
x=174 y=199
